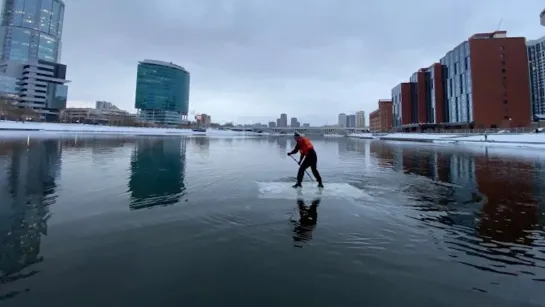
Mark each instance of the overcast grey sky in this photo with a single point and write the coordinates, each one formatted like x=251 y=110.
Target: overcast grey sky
x=253 y=59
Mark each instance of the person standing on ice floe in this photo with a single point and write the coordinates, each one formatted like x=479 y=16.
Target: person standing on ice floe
x=306 y=149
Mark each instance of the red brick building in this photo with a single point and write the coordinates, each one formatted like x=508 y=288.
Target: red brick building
x=481 y=83
x=438 y=92
x=374 y=121
x=500 y=81
x=381 y=120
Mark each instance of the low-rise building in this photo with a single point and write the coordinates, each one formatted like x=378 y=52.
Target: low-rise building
x=203 y=120
x=382 y=120
x=104 y=116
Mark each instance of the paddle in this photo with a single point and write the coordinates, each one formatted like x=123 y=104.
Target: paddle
x=305 y=170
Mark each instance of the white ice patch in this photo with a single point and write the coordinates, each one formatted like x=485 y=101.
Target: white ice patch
x=309 y=191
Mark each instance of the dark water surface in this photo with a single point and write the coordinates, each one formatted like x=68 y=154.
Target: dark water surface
x=178 y=222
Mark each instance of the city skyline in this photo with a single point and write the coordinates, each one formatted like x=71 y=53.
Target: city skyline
x=238 y=70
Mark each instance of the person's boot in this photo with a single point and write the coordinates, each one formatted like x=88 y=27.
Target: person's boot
x=320 y=185
x=297 y=185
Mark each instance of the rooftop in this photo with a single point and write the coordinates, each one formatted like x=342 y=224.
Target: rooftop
x=161 y=63
x=495 y=34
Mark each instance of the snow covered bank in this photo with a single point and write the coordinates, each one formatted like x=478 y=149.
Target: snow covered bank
x=9 y=128
x=511 y=139
x=418 y=136
x=362 y=135
x=530 y=138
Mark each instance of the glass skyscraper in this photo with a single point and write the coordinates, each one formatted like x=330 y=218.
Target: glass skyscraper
x=31 y=29
x=162 y=92
x=536 y=60
x=30 y=42
x=396 y=105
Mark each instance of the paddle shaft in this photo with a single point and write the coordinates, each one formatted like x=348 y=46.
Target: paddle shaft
x=305 y=170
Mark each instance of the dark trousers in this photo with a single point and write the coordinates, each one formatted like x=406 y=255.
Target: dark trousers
x=311 y=160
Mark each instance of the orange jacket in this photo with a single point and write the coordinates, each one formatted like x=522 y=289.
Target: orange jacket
x=304 y=145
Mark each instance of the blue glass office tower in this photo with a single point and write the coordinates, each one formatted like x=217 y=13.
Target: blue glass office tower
x=536 y=61
x=31 y=30
x=162 y=92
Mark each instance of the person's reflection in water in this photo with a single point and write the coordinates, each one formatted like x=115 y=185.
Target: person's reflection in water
x=308 y=217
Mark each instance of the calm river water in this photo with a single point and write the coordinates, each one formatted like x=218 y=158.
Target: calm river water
x=160 y=221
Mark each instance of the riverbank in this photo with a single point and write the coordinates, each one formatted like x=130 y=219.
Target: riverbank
x=10 y=128
x=511 y=139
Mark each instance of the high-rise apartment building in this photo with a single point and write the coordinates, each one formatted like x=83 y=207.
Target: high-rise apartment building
x=481 y=83
x=536 y=61
x=283 y=120
x=162 y=92
x=272 y=124
x=351 y=121
x=294 y=123
x=30 y=38
x=342 y=120
x=360 y=119
x=104 y=105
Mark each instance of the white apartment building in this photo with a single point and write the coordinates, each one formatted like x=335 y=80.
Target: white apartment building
x=342 y=120
x=360 y=119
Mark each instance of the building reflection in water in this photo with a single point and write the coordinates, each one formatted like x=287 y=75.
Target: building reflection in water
x=488 y=205
x=512 y=210
x=157 y=172
x=202 y=143
x=383 y=154
x=282 y=144
x=27 y=189
x=97 y=145
x=352 y=145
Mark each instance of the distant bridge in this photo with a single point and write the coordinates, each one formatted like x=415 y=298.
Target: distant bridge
x=306 y=131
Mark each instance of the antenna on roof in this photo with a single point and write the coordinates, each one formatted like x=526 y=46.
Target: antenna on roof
x=499 y=26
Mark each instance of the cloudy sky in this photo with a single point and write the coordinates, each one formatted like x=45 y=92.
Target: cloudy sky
x=253 y=59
